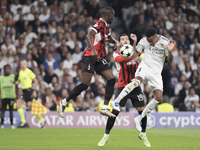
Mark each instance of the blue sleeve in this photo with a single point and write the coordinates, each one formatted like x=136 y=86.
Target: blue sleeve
x=45 y=65
x=55 y=65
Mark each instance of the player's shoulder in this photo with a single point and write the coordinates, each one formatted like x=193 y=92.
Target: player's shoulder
x=143 y=41
x=163 y=42
x=98 y=23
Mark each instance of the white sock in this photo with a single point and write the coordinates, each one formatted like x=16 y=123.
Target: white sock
x=143 y=133
x=104 y=107
x=150 y=106
x=128 y=88
x=64 y=102
x=106 y=135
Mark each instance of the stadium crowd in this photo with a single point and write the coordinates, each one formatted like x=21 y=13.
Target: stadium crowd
x=50 y=35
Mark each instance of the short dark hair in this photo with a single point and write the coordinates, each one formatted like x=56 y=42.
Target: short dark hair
x=4 y=68
x=107 y=9
x=150 y=31
x=123 y=34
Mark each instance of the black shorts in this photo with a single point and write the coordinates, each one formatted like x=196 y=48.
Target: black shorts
x=90 y=65
x=6 y=102
x=135 y=96
x=27 y=95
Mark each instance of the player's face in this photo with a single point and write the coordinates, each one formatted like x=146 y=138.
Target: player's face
x=7 y=70
x=150 y=40
x=110 y=17
x=124 y=40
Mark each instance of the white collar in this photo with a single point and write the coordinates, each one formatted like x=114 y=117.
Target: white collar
x=104 y=21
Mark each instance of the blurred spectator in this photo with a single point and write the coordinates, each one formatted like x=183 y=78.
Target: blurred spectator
x=37 y=56
x=73 y=41
x=40 y=81
x=73 y=71
x=30 y=62
x=15 y=6
x=184 y=92
x=45 y=15
x=2 y=63
x=192 y=100
x=49 y=75
x=30 y=35
x=55 y=54
x=50 y=100
x=179 y=85
x=22 y=45
x=56 y=90
x=7 y=46
x=68 y=62
x=27 y=7
x=188 y=70
x=20 y=24
x=50 y=61
x=77 y=55
x=59 y=72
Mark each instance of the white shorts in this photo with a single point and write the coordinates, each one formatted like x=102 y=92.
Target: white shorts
x=155 y=81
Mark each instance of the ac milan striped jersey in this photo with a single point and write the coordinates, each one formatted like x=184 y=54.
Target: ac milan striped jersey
x=126 y=69
x=102 y=32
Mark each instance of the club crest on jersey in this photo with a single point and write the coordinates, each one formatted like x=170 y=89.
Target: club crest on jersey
x=88 y=67
x=24 y=78
x=162 y=45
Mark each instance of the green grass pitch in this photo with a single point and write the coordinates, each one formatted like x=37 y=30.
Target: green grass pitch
x=87 y=139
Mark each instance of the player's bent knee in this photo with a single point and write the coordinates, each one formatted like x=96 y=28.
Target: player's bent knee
x=111 y=82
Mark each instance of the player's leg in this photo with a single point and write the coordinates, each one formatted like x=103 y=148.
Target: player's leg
x=139 y=76
x=108 y=75
x=142 y=134
x=109 y=126
x=11 y=103
x=128 y=88
x=111 y=120
x=86 y=79
x=3 y=109
x=156 y=84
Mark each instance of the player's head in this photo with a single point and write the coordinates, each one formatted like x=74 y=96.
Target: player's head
x=123 y=39
x=23 y=64
x=108 y=14
x=150 y=34
x=7 y=69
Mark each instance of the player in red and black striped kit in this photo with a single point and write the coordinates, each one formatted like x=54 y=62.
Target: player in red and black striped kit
x=93 y=60
x=126 y=69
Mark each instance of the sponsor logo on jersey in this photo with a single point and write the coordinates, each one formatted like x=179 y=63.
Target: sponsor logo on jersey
x=24 y=78
x=88 y=67
x=116 y=104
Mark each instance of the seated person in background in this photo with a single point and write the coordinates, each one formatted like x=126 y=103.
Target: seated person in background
x=50 y=100
x=56 y=90
x=192 y=100
x=165 y=106
x=49 y=75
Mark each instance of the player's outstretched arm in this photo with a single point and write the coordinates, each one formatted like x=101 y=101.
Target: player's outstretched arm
x=170 y=48
x=89 y=38
x=136 y=53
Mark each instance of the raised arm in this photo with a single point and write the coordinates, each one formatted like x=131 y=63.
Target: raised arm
x=170 y=48
x=136 y=53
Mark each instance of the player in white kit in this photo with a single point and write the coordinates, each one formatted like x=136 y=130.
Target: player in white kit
x=156 y=49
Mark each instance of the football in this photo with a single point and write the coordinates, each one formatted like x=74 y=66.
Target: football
x=126 y=51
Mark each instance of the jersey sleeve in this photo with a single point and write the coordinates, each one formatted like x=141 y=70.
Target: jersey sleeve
x=119 y=58
x=140 y=46
x=97 y=26
x=31 y=75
